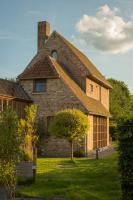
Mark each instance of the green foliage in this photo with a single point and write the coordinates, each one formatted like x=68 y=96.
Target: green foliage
x=70 y=124
x=120 y=99
x=125 y=130
x=8 y=178
x=10 y=138
x=121 y=104
x=113 y=130
x=79 y=153
x=28 y=130
x=10 y=150
x=41 y=132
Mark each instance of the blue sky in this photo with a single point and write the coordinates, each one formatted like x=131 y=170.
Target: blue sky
x=102 y=29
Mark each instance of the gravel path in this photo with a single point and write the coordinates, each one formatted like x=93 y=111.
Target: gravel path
x=103 y=153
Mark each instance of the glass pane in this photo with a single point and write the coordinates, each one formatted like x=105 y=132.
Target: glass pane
x=40 y=86
x=55 y=55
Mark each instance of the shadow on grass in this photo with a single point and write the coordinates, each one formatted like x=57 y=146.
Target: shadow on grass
x=84 y=180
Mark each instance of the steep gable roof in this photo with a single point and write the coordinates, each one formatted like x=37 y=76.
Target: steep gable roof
x=93 y=71
x=40 y=68
x=13 y=90
x=93 y=106
x=37 y=69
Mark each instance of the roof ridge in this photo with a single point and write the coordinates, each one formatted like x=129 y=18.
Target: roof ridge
x=38 y=69
x=83 y=98
x=73 y=48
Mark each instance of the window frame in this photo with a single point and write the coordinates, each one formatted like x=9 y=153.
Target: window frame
x=54 y=51
x=35 y=85
x=99 y=132
x=91 y=88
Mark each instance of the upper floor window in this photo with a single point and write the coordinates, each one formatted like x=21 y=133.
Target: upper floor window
x=54 y=54
x=39 y=85
x=91 y=88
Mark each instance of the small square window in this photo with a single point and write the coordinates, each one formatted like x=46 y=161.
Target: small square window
x=39 y=85
x=54 y=54
x=91 y=88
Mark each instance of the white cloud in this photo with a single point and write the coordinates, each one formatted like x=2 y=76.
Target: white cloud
x=106 y=31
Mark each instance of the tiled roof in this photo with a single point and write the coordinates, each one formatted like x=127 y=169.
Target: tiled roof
x=13 y=89
x=93 y=106
x=93 y=71
x=39 y=69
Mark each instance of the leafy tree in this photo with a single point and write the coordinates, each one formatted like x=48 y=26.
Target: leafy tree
x=70 y=124
x=16 y=141
x=121 y=104
x=120 y=99
x=10 y=149
x=27 y=128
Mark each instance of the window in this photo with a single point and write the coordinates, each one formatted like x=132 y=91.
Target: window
x=54 y=54
x=91 y=88
x=39 y=86
x=99 y=132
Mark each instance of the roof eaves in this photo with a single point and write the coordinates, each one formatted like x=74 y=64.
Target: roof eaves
x=70 y=46
x=81 y=93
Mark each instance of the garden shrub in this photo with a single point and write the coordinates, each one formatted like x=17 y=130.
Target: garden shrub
x=79 y=154
x=70 y=124
x=125 y=130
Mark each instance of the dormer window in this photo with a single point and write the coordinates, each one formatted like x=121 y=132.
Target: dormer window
x=39 y=85
x=54 y=54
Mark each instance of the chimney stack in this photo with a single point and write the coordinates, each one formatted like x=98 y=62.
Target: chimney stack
x=43 y=33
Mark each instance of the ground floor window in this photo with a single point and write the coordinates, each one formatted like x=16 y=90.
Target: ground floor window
x=99 y=132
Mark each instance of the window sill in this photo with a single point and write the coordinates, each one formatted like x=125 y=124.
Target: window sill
x=38 y=93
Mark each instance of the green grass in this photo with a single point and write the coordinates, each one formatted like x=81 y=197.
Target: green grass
x=83 y=180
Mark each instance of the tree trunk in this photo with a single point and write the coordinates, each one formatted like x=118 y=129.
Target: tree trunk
x=71 y=150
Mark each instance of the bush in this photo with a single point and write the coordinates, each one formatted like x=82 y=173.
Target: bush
x=79 y=154
x=10 y=150
x=70 y=124
x=125 y=130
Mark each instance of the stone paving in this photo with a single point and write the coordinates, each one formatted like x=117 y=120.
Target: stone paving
x=103 y=153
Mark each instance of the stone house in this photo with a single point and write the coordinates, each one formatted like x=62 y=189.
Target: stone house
x=60 y=76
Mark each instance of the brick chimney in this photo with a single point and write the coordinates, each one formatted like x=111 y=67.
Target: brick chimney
x=43 y=33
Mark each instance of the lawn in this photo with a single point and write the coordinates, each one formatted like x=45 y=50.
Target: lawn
x=84 y=180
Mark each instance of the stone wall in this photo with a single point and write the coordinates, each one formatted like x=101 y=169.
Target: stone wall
x=55 y=147
x=57 y=96
x=67 y=59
